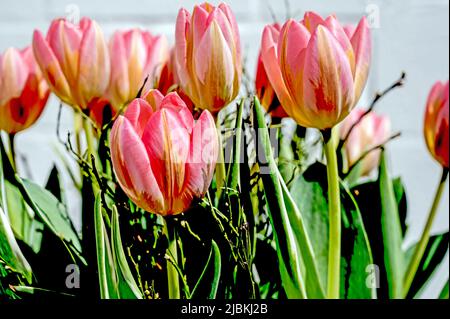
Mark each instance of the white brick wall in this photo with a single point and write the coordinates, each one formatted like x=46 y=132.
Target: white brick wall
x=413 y=36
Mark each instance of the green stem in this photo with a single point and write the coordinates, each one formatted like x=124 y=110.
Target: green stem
x=89 y=137
x=12 y=150
x=172 y=273
x=422 y=245
x=334 y=205
x=220 y=167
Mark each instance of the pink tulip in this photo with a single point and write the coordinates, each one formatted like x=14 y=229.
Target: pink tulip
x=75 y=61
x=436 y=127
x=265 y=91
x=208 y=56
x=317 y=71
x=23 y=90
x=135 y=54
x=162 y=158
x=371 y=130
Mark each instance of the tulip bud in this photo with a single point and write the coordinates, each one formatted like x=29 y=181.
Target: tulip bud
x=161 y=157
x=75 y=61
x=317 y=71
x=23 y=90
x=135 y=54
x=436 y=127
x=370 y=131
x=208 y=56
x=265 y=91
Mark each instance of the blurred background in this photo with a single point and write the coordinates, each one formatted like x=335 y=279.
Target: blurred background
x=408 y=35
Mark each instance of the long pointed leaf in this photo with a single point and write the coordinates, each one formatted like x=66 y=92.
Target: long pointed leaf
x=392 y=232
x=296 y=258
x=127 y=285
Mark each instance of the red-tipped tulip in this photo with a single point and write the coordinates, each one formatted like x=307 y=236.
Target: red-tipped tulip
x=370 y=131
x=162 y=158
x=208 y=55
x=75 y=61
x=265 y=91
x=23 y=90
x=135 y=54
x=317 y=71
x=436 y=128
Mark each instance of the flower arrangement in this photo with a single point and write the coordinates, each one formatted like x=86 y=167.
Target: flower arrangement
x=191 y=188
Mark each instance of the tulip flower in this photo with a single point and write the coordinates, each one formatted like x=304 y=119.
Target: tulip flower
x=23 y=90
x=208 y=56
x=265 y=91
x=317 y=71
x=75 y=61
x=161 y=157
x=436 y=128
x=369 y=131
x=135 y=54
x=436 y=131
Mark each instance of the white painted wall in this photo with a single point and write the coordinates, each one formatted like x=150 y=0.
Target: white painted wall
x=412 y=36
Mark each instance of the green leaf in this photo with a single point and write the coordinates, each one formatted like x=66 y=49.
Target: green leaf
x=26 y=228
x=209 y=279
x=433 y=256
x=296 y=258
x=310 y=193
x=357 y=266
x=10 y=252
x=392 y=232
x=52 y=213
x=400 y=196
x=311 y=199
x=128 y=288
x=106 y=269
x=444 y=292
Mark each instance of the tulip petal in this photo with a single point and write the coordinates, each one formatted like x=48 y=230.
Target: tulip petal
x=50 y=68
x=272 y=67
x=294 y=38
x=132 y=167
x=312 y=20
x=203 y=155
x=362 y=47
x=119 y=86
x=234 y=26
x=339 y=33
x=441 y=143
x=174 y=102
x=154 y=99
x=181 y=46
x=138 y=114
x=94 y=65
x=328 y=80
x=167 y=144
x=199 y=24
x=214 y=68
x=13 y=75
x=64 y=39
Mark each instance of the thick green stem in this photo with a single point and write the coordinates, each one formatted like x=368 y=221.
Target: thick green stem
x=172 y=273
x=89 y=137
x=422 y=245
x=221 y=173
x=12 y=150
x=334 y=205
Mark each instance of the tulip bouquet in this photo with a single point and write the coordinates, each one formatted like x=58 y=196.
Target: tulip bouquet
x=194 y=186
